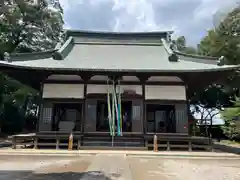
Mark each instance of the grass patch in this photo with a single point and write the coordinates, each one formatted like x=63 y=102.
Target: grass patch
x=231 y=143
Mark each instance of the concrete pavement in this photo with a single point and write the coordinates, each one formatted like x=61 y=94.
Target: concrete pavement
x=117 y=152
x=109 y=167
x=116 y=167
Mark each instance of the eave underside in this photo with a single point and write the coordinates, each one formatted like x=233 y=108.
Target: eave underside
x=193 y=80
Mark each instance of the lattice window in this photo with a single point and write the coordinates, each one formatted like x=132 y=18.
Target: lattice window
x=47 y=115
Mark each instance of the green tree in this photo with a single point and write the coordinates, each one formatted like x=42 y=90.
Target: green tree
x=180 y=45
x=25 y=26
x=231 y=116
x=211 y=44
x=224 y=40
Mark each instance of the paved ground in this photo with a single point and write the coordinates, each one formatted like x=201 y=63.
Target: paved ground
x=10 y=151
x=116 y=166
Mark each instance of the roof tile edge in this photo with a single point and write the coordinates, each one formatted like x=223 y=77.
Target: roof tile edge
x=12 y=57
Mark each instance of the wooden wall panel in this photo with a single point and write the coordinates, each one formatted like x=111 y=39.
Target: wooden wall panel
x=181 y=118
x=91 y=115
x=165 y=92
x=63 y=91
x=45 y=121
x=137 y=115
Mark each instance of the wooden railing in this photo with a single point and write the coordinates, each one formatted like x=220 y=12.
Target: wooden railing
x=57 y=139
x=47 y=139
x=170 y=141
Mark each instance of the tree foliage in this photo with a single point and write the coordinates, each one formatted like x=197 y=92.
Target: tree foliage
x=213 y=96
x=25 y=26
x=224 y=40
x=181 y=45
x=231 y=117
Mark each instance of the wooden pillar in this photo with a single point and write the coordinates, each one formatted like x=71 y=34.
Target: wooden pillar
x=57 y=143
x=42 y=79
x=40 y=107
x=144 y=109
x=14 y=141
x=70 y=142
x=144 y=119
x=35 y=142
x=190 y=145
x=143 y=79
x=188 y=111
x=168 y=145
x=84 y=107
x=79 y=142
x=155 y=143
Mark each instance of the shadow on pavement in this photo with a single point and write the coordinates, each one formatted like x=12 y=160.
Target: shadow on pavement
x=30 y=175
x=5 y=144
x=228 y=149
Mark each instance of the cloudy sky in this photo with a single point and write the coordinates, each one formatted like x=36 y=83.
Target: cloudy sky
x=191 y=18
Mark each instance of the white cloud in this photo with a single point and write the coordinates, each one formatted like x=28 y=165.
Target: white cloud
x=214 y=10
x=191 y=18
x=136 y=16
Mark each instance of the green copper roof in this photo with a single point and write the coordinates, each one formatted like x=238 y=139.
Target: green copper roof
x=148 y=53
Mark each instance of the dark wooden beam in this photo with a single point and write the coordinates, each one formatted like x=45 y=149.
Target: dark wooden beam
x=40 y=106
x=165 y=102
x=144 y=108
x=101 y=82
x=63 y=100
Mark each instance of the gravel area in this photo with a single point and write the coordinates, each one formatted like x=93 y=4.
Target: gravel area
x=116 y=167
x=184 y=169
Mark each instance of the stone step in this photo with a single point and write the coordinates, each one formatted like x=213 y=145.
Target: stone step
x=115 y=143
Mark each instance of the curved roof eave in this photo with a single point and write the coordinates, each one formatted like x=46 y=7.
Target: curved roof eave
x=195 y=56
x=20 y=67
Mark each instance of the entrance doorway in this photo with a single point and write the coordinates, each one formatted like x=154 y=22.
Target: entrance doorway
x=127 y=116
x=161 y=118
x=102 y=116
x=67 y=117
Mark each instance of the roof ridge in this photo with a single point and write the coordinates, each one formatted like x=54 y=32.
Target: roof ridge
x=91 y=32
x=121 y=43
